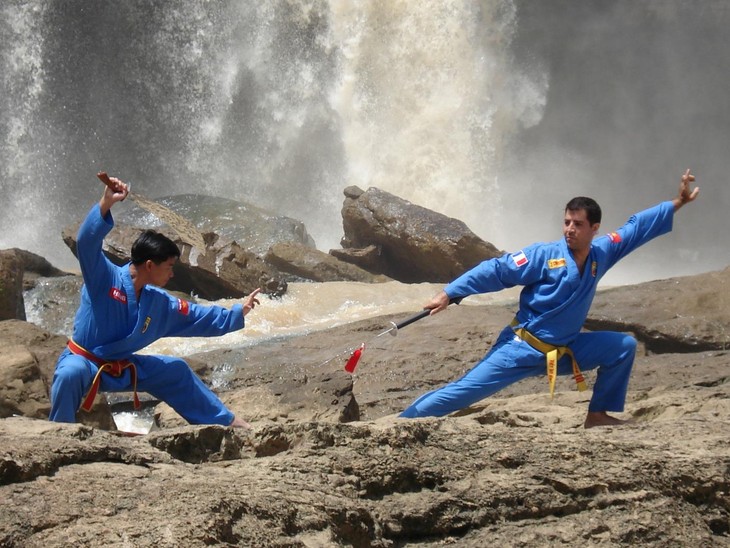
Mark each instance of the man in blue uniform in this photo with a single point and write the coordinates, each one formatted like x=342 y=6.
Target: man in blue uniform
x=559 y=280
x=124 y=310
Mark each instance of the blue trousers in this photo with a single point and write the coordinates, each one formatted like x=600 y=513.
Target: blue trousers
x=511 y=360
x=166 y=378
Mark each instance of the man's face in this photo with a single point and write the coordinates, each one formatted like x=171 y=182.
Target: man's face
x=160 y=274
x=577 y=230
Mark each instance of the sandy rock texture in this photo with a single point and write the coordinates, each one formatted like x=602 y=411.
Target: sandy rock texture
x=328 y=463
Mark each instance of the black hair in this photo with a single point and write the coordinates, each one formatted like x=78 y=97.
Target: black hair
x=591 y=207
x=153 y=246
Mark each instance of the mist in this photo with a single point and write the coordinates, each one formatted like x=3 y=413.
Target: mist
x=495 y=112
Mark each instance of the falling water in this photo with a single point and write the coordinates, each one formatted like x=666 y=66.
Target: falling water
x=493 y=111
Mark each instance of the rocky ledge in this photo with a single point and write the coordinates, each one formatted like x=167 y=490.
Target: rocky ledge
x=328 y=463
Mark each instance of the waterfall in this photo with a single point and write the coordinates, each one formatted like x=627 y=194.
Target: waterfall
x=282 y=104
x=494 y=111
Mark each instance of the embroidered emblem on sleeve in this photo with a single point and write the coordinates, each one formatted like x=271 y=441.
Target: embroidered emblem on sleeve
x=556 y=263
x=519 y=258
x=183 y=307
x=594 y=268
x=146 y=324
x=118 y=295
x=615 y=237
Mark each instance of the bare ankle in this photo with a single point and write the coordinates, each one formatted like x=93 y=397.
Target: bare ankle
x=240 y=423
x=601 y=418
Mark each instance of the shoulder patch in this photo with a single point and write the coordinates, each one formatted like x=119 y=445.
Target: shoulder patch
x=183 y=307
x=556 y=263
x=519 y=258
x=615 y=237
x=118 y=295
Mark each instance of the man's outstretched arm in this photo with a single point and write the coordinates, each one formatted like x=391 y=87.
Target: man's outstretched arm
x=685 y=196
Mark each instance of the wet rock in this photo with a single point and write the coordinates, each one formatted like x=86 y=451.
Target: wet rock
x=12 y=305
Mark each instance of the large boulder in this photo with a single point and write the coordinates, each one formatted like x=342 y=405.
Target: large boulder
x=312 y=264
x=413 y=244
x=222 y=270
x=20 y=271
x=12 y=306
x=35 y=266
x=253 y=228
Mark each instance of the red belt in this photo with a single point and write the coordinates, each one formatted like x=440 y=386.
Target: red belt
x=115 y=368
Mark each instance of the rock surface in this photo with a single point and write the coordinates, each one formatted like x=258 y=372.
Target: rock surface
x=12 y=305
x=414 y=244
x=312 y=264
x=223 y=270
x=516 y=469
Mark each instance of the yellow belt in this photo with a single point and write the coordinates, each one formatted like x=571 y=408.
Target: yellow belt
x=552 y=355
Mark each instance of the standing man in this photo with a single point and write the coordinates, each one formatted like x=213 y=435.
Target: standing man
x=560 y=280
x=123 y=309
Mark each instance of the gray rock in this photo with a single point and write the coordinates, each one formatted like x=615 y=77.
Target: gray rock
x=12 y=305
x=312 y=264
x=414 y=244
x=255 y=229
x=684 y=314
x=223 y=270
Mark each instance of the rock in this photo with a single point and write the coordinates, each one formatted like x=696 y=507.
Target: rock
x=324 y=396
x=685 y=314
x=312 y=264
x=414 y=244
x=369 y=257
x=476 y=480
x=515 y=469
x=224 y=270
x=36 y=267
x=255 y=229
x=12 y=305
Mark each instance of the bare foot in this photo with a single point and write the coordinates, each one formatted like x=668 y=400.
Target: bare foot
x=240 y=423
x=601 y=418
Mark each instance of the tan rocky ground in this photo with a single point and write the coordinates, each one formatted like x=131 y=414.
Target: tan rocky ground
x=515 y=470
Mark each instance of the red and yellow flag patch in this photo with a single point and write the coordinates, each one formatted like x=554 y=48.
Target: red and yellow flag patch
x=615 y=237
x=183 y=307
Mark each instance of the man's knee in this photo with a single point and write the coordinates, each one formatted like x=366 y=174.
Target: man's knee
x=71 y=370
x=628 y=345
x=70 y=379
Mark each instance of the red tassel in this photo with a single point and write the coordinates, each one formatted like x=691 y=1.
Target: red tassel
x=354 y=358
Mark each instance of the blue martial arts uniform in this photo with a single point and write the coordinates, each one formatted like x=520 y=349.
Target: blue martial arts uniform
x=553 y=306
x=112 y=323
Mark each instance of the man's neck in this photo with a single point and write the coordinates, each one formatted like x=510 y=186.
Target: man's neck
x=137 y=280
x=580 y=257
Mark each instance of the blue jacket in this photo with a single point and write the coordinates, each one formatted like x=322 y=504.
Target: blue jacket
x=555 y=300
x=113 y=324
